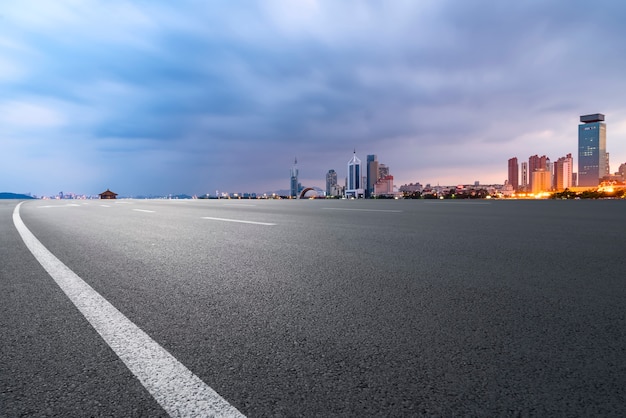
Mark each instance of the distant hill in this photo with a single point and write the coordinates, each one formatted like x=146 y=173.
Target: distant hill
x=6 y=195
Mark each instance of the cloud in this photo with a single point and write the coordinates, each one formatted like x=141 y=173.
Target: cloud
x=29 y=115
x=224 y=95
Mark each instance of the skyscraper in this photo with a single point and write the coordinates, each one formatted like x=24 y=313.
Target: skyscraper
x=372 y=174
x=592 y=159
x=331 y=182
x=525 y=176
x=354 y=186
x=294 y=179
x=514 y=173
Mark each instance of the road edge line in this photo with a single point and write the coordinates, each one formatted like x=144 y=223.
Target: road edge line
x=180 y=392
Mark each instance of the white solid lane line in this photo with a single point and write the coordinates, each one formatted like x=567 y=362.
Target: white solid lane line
x=180 y=392
x=238 y=221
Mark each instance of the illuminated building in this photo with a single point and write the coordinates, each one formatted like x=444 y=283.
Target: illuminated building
x=541 y=181
x=563 y=173
x=592 y=159
x=525 y=176
x=535 y=163
x=622 y=171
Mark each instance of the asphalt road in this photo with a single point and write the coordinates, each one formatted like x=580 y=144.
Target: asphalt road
x=325 y=308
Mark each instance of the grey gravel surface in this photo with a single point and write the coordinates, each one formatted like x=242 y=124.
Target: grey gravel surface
x=343 y=308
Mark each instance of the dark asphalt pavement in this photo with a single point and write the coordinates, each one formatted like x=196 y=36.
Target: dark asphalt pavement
x=342 y=308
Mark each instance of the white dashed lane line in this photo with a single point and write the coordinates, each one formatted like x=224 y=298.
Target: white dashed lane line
x=144 y=210
x=59 y=206
x=365 y=210
x=180 y=392
x=238 y=221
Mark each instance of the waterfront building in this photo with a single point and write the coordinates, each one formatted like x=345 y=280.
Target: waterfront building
x=294 y=185
x=514 y=173
x=622 y=171
x=354 y=181
x=525 y=176
x=563 y=178
x=372 y=174
x=535 y=163
x=592 y=159
x=541 y=181
x=331 y=182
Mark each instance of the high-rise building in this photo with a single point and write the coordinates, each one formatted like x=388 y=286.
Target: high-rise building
x=535 y=163
x=541 y=181
x=294 y=180
x=383 y=171
x=331 y=182
x=372 y=174
x=592 y=159
x=514 y=173
x=563 y=176
x=354 y=185
x=525 y=176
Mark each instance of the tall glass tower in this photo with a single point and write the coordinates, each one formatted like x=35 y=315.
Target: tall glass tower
x=591 y=150
x=294 y=179
x=372 y=174
x=354 y=187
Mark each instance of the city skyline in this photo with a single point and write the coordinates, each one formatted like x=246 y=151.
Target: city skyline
x=152 y=98
x=593 y=163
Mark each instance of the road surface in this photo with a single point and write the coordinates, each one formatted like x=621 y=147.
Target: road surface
x=314 y=308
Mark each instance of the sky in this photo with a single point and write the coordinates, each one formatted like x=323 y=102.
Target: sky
x=153 y=97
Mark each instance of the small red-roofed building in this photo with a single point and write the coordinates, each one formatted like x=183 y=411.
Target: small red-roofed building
x=108 y=195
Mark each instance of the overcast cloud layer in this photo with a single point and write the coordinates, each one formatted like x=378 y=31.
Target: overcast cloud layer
x=157 y=97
